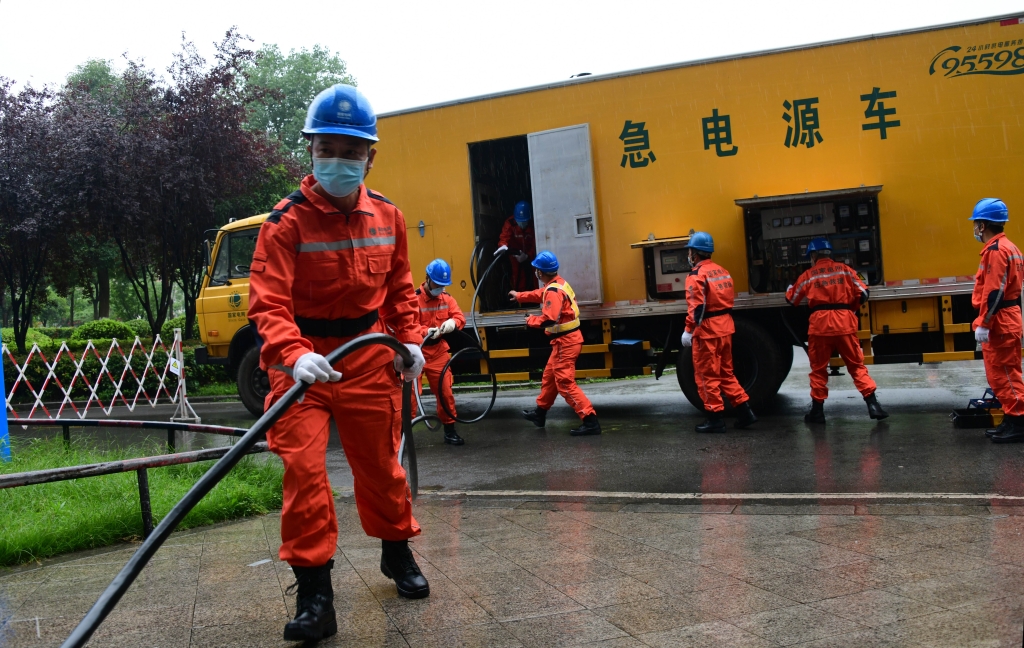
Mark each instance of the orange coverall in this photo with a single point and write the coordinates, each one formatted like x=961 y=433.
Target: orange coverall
x=433 y=313
x=1001 y=269
x=834 y=292
x=709 y=299
x=313 y=265
x=560 y=371
x=519 y=239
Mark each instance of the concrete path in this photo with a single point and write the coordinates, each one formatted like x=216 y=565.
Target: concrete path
x=512 y=573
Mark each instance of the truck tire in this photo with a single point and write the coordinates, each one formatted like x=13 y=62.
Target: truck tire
x=757 y=361
x=253 y=382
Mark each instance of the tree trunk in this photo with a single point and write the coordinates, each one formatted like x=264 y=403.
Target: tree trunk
x=103 y=292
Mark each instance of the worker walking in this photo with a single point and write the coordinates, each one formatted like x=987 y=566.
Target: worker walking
x=560 y=320
x=997 y=290
x=331 y=263
x=518 y=239
x=439 y=315
x=834 y=292
x=709 y=328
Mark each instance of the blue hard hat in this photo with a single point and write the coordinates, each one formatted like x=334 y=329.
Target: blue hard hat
x=702 y=242
x=818 y=244
x=546 y=262
x=991 y=209
x=522 y=212
x=341 y=110
x=440 y=272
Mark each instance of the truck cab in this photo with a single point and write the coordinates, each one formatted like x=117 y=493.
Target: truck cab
x=222 y=308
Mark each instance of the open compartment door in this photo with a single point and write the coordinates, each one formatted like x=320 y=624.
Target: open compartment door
x=564 y=219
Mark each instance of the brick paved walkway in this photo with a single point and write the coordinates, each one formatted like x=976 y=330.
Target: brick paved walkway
x=513 y=573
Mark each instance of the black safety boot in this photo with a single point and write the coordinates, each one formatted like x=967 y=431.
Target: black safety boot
x=745 y=416
x=451 y=436
x=397 y=563
x=817 y=413
x=314 y=604
x=538 y=416
x=1004 y=425
x=588 y=427
x=875 y=410
x=1015 y=433
x=714 y=423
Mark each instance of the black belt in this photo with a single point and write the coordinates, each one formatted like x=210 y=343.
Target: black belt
x=821 y=307
x=340 y=327
x=724 y=311
x=1007 y=303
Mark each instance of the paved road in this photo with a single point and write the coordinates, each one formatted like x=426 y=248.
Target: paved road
x=649 y=444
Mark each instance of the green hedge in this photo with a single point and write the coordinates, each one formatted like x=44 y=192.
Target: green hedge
x=55 y=332
x=141 y=328
x=34 y=336
x=104 y=329
x=198 y=375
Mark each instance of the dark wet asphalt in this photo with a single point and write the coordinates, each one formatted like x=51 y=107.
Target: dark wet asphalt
x=649 y=444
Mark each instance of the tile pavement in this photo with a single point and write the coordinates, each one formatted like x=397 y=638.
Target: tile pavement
x=509 y=573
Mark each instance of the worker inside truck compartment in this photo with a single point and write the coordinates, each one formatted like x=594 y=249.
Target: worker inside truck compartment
x=997 y=290
x=517 y=238
x=440 y=315
x=709 y=328
x=834 y=293
x=560 y=320
x=331 y=263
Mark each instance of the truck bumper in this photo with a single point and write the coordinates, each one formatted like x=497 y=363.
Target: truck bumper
x=203 y=357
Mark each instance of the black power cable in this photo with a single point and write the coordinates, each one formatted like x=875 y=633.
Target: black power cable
x=110 y=597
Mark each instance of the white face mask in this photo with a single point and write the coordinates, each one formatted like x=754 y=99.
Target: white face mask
x=978 y=235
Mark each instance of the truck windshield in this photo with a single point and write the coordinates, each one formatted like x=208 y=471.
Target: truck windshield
x=235 y=255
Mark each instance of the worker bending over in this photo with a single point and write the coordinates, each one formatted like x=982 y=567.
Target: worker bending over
x=709 y=329
x=560 y=320
x=997 y=288
x=518 y=239
x=439 y=315
x=834 y=292
x=331 y=263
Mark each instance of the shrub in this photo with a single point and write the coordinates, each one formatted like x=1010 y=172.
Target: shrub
x=34 y=337
x=141 y=328
x=167 y=330
x=104 y=329
x=57 y=332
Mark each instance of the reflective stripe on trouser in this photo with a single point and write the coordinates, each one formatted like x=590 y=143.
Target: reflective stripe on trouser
x=712 y=369
x=819 y=350
x=1003 y=370
x=560 y=379
x=432 y=370
x=368 y=411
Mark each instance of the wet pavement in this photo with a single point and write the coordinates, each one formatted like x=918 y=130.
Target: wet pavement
x=517 y=573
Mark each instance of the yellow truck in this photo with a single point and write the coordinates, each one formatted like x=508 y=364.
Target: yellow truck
x=881 y=143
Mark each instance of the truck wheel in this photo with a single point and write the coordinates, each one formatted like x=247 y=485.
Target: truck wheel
x=757 y=362
x=253 y=382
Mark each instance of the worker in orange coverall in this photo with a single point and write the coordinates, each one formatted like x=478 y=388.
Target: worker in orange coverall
x=997 y=288
x=709 y=328
x=518 y=239
x=834 y=292
x=439 y=315
x=560 y=320
x=331 y=263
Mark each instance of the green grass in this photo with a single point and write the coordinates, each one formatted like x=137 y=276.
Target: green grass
x=214 y=389
x=48 y=519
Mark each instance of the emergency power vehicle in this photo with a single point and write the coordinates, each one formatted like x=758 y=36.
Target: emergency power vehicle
x=882 y=143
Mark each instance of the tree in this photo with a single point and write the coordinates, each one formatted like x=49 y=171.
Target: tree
x=292 y=81
x=33 y=198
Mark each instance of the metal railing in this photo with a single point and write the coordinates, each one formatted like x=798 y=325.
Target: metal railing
x=172 y=427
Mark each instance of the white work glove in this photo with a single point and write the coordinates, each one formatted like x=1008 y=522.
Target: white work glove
x=981 y=334
x=448 y=326
x=522 y=257
x=687 y=339
x=313 y=367
x=433 y=333
x=500 y=250
x=410 y=373
x=790 y=287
